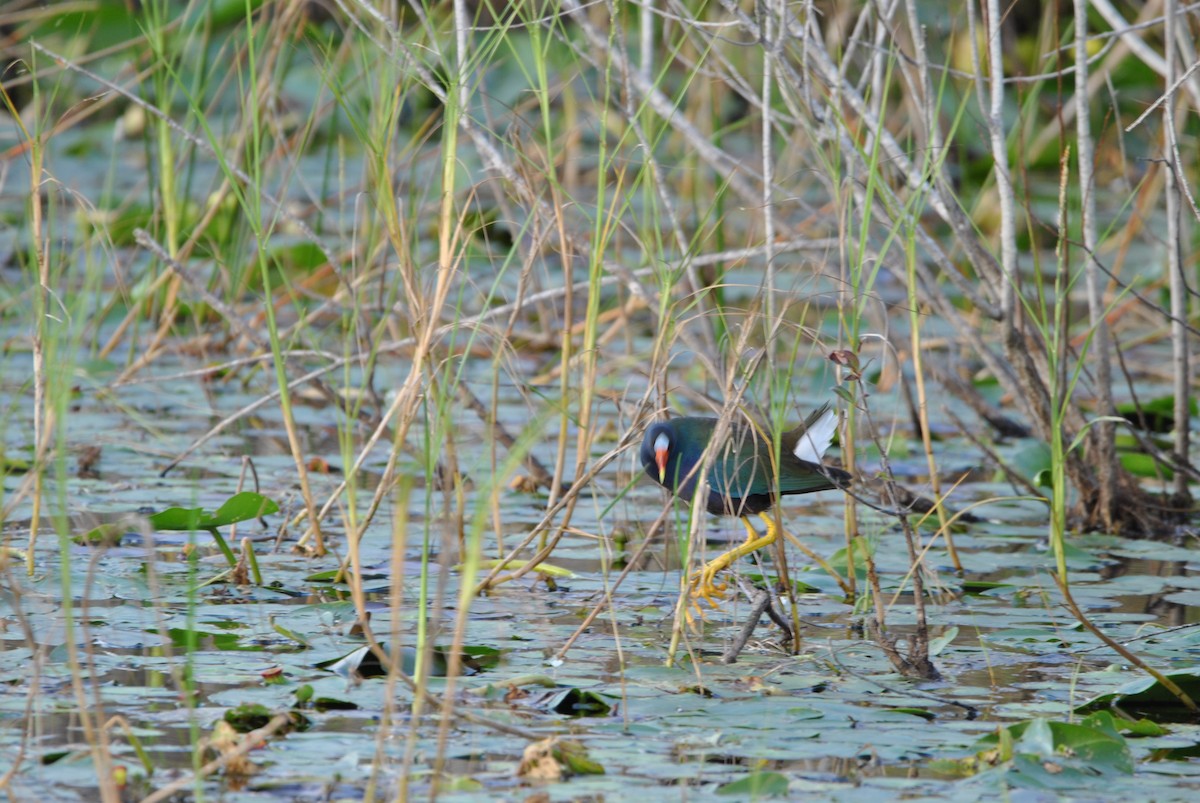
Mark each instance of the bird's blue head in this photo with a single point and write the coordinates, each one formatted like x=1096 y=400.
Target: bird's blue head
x=657 y=451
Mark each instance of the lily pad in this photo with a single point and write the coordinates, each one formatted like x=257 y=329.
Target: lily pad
x=757 y=785
x=1146 y=697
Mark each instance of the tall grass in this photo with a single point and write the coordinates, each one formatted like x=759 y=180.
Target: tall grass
x=683 y=211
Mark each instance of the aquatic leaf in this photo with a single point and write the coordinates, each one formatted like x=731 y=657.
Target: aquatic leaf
x=363 y=662
x=10 y=464
x=328 y=576
x=1140 y=464
x=543 y=568
x=248 y=717
x=1142 y=727
x=1156 y=415
x=1093 y=745
x=553 y=759
x=575 y=702
x=239 y=507
x=244 y=506
x=923 y=713
x=939 y=643
x=756 y=786
x=194 y=639
x=863 y=548
x=982 y=586
x=1031 y=459
x=801 y=712
x=1033 y=737
x=290 y=634
x=1150 y=699
x=177 y=518
x=459 y=783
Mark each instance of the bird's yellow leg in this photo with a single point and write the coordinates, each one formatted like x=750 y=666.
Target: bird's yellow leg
x=702 y=582
x=751 y=533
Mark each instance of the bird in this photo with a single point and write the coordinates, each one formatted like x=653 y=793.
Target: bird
x=742 y=479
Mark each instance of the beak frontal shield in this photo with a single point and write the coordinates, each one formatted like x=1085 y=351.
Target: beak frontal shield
x=661 y=446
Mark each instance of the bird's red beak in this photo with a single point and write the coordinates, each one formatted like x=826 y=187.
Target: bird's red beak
x=660 y=457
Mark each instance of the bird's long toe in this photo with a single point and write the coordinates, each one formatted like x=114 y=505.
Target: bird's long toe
x=703 y=585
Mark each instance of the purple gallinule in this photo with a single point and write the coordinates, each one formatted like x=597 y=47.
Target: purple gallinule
x=742 y=479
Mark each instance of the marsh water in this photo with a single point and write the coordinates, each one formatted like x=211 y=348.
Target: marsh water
x=158 y=607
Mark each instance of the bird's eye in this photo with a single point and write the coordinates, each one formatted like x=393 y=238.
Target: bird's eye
x=662 y=443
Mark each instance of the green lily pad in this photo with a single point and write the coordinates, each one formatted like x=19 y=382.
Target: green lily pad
x=244 y=506
x=1092 y=745
x=1148 y=698
x=575 y=702
x=756 y=786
